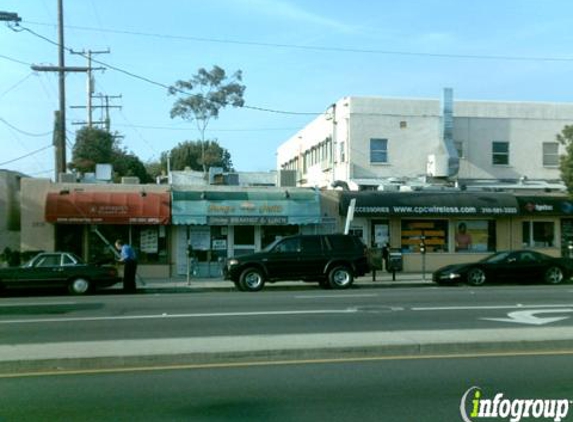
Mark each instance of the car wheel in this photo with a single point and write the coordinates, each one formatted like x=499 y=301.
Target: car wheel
x=79 y=286
x=252 y=280
x=476 y=277
x=324 y=284
x=238 y=286
x=340 y=278
x=554 y=275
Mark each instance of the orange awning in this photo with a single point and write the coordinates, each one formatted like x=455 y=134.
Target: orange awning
x=108 y=207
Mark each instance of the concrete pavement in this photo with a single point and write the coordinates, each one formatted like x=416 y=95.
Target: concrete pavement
x=228 y=350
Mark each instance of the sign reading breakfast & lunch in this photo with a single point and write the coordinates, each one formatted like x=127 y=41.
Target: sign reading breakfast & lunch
x=252 y=207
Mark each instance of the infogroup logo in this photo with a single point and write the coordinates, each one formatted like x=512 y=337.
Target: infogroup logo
x=474 y=406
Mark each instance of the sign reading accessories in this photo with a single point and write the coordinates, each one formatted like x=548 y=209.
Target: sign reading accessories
x=430 y=204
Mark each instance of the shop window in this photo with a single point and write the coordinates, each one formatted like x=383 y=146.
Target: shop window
x=149 y=242
x=69 y=238
x=434 y=234
x=538 y=234
x=475 y=236
x=380 y=234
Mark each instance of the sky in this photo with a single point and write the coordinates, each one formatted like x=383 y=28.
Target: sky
x=297 y=57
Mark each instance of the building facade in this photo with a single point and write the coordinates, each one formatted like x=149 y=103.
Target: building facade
x=10 y=210
x=383 y=142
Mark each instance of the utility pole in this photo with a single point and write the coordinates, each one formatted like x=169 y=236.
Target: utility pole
x=104 y=105
x=90 y=81
x=60 y=132
x=60 y=149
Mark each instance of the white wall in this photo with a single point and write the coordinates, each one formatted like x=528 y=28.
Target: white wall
x=413 y=130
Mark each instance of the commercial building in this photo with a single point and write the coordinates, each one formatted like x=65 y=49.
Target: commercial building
x=461 y=178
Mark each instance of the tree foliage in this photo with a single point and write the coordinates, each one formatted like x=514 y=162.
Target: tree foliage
x=196 y=154
x=566 y=161
x=202 y=97
x=97 y=146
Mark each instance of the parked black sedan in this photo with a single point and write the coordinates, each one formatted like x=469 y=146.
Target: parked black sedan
x=516 y=266
x=59 y=269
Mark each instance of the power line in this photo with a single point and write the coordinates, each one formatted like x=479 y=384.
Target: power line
x=162 y=85
x=21 y=81
x=11 y=59
x=322 y=48
x=23 y=132
x=27 y=155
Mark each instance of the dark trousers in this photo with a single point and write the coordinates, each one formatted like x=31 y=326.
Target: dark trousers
x=129 y=270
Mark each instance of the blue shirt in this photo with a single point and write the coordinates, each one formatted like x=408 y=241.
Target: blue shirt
x=127 y=253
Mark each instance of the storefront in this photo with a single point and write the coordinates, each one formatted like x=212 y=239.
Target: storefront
x=547 y=222
x=451 y=226
x=88 y=222
x=218 y=223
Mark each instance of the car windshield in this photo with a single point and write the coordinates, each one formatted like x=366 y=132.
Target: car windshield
x=498 y=257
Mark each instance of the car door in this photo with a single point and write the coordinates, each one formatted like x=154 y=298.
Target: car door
x=312 y=259
x=283 y=260
x=530 y=267
x=47 y=271
x=505 y=269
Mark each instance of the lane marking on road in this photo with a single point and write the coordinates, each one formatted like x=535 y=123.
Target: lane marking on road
x=232 y=365
x=336 y=296
x=172 y=316
x=477 y=308
x=530 y=317
x=19 y=304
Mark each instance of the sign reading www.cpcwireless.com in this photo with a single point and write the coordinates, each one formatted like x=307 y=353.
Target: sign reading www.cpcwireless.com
x=475 y=405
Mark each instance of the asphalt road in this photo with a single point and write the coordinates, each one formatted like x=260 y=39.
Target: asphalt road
x=418 y=389
x=201 y=314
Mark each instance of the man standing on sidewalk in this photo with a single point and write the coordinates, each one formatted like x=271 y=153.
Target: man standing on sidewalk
x=129 y=259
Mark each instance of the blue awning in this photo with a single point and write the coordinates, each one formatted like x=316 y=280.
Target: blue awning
x=246 y=207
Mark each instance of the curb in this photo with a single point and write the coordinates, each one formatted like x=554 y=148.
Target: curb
x=236 y=350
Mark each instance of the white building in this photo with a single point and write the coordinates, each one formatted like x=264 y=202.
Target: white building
x=383 y=142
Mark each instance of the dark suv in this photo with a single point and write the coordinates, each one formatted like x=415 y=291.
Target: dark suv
x=333 y=260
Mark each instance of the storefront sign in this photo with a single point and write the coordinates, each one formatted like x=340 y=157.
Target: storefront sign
x=430 y=204
x=240 y=207
x=246 y=220
x=545 y=205
x=79 y=207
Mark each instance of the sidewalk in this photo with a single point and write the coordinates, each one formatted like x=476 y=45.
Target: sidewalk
x=219 y=284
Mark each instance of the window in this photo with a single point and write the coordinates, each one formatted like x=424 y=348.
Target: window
x=378 y=151
x=474 y=236
x=49 y=261
x=288 y=246
x=500 y=153
x=311 y=244
x=434 y=234
x=342 y=155
x=540 y=234
x=550 y=154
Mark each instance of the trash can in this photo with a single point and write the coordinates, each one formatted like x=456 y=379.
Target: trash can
x=395 y=261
